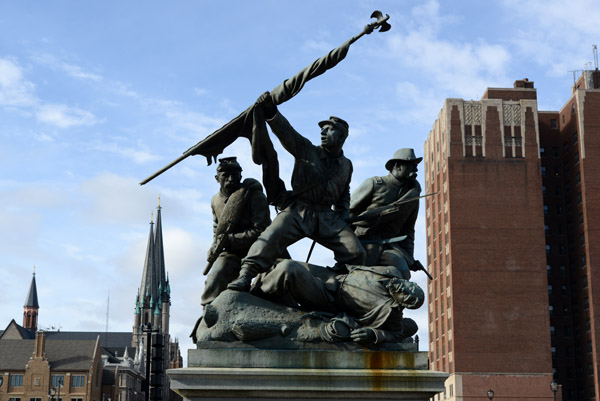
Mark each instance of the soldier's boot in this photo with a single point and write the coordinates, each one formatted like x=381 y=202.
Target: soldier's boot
x=242 y=283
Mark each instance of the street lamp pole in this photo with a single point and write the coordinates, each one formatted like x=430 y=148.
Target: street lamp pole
x=60 y=384
x=148 y=330
x=554 y=388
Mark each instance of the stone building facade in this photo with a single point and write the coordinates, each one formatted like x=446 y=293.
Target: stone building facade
x=50 y=370
x=106 y=366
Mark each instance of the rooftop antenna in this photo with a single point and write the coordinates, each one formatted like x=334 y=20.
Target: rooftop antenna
x=106 y=330
x=595 y=51
x=574 y=75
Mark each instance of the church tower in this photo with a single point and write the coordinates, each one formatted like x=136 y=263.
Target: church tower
x=153 y=300
x=31 y=307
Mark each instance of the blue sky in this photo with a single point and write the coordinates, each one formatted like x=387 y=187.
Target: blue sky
x=95 y=96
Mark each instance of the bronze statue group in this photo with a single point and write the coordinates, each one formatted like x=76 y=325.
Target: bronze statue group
x=361 y=298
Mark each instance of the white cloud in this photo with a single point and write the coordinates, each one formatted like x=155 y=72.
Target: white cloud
x=418 y=103
x=540 y=38
x=139 y=155
x=184 y=252
x=72 y=70
x=14 y=89
x=197 y=123
x=33 y=195
x=43 y=137
x=64 y=116
x=113 y=199
x=318 y=46
x=462 y=68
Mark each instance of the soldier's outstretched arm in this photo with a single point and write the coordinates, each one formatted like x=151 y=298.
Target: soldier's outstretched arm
x=290 y=139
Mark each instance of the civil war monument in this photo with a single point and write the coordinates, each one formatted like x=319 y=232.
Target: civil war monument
x=272 y=327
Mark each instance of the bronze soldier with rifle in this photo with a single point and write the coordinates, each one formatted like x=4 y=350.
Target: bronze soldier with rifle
x=240 y=213
x=384 y=210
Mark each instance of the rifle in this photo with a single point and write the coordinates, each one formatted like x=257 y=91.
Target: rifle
x=417 y=266
x=215 y=249
x=229 y=218
x=378 y=213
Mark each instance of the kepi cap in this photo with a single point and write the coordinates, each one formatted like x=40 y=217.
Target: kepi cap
x=228 y=163
x=337 y=122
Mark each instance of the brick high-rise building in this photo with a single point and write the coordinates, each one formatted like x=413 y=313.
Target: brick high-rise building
x=570 y=166
x=510 y=243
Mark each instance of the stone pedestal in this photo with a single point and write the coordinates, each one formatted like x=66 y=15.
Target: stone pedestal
x=353 y=373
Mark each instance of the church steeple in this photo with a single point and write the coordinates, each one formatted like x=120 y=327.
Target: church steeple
x=31 y=307
x=153 y=299
x=159 y=254
x=148 y=290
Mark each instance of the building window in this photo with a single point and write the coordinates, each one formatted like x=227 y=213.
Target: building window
x=548 y=250
x=57 y=380
x=547 y=229
x=544 y=190
x=559 y=209
x=563 y=270
x=586 y=303
x=16 y=380
x=553 y=123
x=578 y=177
x=14 y=399
x=563 y=289
x=573 y=108
x=552 y=331
x=551 y=310
x=546 y=209
x=549 y=269
x=78 y=381
x=579 y=198
x=541 y=150
x=35 y=399
x=582 y=239
x=76 y=399
x=549 y=290
x=543 y=171
x=553 y=352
